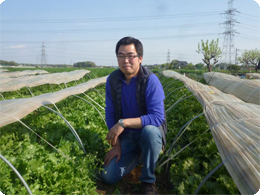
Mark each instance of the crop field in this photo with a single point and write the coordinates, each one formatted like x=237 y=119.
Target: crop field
x=187 y=169
x=50 y=159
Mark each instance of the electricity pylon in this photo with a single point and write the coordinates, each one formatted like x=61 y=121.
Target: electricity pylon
x=43 y=58
x=228 y=50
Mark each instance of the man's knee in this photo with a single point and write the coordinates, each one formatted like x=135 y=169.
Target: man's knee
x=107 y=177
x=151 y=132
x=111 y=174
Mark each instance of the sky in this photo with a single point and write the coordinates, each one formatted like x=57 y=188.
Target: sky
x=66 y=32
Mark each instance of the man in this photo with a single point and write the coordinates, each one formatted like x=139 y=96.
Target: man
x=135 y=117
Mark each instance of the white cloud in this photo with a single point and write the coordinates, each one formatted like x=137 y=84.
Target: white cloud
x=1 y=1
x=15 y=47
x=258 y=1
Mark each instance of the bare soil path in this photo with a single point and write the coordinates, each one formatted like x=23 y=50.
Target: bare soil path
x=131 y=185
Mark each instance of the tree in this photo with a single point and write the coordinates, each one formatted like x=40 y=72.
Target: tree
x=250 y=57
x=8 y=63
x=199 y=66
x=234 y=68
x=84 y=64
x=210 y=52
x=190 y=66
x=174 y=63
x=163 y=66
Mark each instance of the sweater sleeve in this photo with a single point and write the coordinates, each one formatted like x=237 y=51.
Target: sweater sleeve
x=109 y=110
x=154 y=102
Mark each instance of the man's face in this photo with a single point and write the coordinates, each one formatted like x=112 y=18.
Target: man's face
x=128 y=61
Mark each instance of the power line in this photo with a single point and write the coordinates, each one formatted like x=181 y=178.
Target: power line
x=111 y=29
x=110 y=19
x=249 y=37
x=101 y=56
x=257 y=20
x=257 y=17
x=96 y=54
x=249 y=27
x=113 y=40
x=84 y=52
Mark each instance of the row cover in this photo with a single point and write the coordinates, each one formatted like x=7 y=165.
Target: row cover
x=244 y=89
x=21 y=73
x=235 y=127
x=253 y=75
x=3 y=70
x=13 y=84
x=15 y=109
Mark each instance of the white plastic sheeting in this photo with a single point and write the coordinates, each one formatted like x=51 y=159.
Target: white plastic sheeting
x=253 y=75
x=13 y=84
x=3 y=70
x=235 y=126
x=21 y=73
x=244 y=89
x=14 y=110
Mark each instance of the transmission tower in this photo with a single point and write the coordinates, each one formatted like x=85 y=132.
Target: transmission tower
x=43 y=59
x=228 y=50
x=168 y=58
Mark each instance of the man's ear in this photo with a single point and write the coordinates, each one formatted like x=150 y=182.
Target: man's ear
x=141 y=59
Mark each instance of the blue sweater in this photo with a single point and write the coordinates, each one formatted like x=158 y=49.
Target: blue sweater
x=154 y=102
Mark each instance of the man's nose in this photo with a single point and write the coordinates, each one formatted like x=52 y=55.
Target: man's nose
x=126 y=59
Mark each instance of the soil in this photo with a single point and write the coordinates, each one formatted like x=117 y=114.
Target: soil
x=131 y=185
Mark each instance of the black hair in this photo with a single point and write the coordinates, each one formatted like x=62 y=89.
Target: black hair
x=128 y=41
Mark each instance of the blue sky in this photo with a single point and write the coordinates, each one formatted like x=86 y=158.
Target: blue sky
x=88 y=30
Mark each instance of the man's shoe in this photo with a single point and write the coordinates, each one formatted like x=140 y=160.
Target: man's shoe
x=149 y=189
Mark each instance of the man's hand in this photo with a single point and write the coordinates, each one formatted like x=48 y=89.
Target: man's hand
x=113 y=133
x=115 y=151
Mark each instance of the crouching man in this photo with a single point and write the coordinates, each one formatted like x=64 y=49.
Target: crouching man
x=135 y=117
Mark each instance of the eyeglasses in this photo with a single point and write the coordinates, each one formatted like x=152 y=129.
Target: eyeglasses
x=131 y=57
